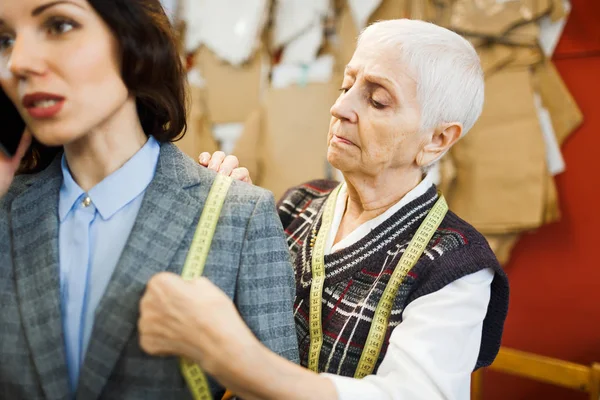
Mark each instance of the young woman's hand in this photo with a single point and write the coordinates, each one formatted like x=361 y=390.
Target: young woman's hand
x=9 y=166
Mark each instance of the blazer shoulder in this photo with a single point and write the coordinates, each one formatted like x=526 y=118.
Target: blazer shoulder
x=240 y=194
x=20 y=184
x=250 y=192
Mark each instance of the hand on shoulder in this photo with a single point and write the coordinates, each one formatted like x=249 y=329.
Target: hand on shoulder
x=228 y=165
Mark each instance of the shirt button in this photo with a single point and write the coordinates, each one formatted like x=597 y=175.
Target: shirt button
x=87 y=201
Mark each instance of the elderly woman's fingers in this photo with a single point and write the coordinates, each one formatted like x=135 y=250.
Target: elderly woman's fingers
x=216 y=160
x=204 y=158
x=230 y=163
x=241 y=174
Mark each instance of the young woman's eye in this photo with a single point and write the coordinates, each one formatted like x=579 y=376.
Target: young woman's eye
x=60 y=26
x=6 y=42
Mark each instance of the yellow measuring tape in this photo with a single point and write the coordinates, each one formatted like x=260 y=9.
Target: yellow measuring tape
x=318 y=279
x=194 y=267
x=409 y=258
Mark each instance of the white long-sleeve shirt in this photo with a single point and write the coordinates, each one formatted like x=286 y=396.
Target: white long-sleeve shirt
x=432 y=353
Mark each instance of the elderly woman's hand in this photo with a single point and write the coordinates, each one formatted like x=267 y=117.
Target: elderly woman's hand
x=226 y=165
x=196 y=320
x=9 y=165
x=192 y=319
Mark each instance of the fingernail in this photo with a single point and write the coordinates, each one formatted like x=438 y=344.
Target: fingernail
x=204 y=159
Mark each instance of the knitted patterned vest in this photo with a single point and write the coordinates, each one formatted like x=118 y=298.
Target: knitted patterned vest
x=356 y=276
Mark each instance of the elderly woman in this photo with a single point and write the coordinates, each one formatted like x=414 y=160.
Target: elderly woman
x=389 y=286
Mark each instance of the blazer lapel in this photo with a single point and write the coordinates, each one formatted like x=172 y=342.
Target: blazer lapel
x=34 y=221
x=167 y=213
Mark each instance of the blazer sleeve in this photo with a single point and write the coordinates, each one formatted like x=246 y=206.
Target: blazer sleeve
x=266 y=286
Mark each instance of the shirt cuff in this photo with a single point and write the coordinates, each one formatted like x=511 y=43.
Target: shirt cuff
x=356 y=389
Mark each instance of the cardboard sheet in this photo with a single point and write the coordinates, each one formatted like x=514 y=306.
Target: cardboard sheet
x=501 y=163
x=247 y=147
x=495 y=18
x=552 y=206
x=295 y=142
x=199 y=135
x=285 y=142
x=556 y=98
x=232 y=93
x=552 y=26
x=347 y=31
x=494 y=57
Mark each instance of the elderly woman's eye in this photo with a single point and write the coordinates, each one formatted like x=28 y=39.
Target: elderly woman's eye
x=344 y=90
x=377 y=104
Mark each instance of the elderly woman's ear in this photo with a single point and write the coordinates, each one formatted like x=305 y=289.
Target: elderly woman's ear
x=439 y=142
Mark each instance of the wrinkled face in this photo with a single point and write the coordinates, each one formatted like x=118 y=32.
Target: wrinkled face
x=59 y=65
x=376 y=119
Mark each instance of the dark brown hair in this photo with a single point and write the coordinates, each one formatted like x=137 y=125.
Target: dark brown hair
x=152 y=70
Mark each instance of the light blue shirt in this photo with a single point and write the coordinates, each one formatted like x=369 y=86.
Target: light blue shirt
x=94 y=228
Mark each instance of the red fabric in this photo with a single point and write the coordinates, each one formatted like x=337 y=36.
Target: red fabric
x=555 y=272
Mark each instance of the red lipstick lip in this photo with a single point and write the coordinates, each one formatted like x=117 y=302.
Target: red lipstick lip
x=29 y=101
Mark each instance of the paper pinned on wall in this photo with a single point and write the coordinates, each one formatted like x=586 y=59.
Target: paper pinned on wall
x=321 y=70
x=292 y=18
x=551 y=31
x=304 y=49
x=230 y=28
x=362 y=10
x=195 y=78
x=227 y=135
x=170 y=7
x=554 y=159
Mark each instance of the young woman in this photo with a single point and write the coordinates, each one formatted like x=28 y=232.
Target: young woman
x=104 y=201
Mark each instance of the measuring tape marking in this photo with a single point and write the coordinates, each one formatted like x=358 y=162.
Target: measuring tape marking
x=409 y=258
x=194 y=267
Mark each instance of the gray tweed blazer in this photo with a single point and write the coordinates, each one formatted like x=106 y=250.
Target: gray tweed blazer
x=249 y=260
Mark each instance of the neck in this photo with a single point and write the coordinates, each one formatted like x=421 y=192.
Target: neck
x=371 y=196
x=105 y=149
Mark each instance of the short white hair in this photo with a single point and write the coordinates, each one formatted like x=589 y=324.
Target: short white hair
x=450 y=84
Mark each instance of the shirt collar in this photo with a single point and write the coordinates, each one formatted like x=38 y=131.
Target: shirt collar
x=367 y=226
x=116 y=190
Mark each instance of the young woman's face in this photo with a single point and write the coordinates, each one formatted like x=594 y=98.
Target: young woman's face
x=59 y=65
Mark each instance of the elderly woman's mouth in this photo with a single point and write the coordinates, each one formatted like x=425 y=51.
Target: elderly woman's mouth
x=341 y=140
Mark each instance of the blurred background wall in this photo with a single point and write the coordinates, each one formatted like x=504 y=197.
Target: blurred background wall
x=555 y=271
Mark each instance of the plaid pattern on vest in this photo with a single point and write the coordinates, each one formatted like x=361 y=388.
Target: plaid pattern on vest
x=356 y=276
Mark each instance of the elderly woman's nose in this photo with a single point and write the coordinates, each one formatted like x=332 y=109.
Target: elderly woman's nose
x=343 y=109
